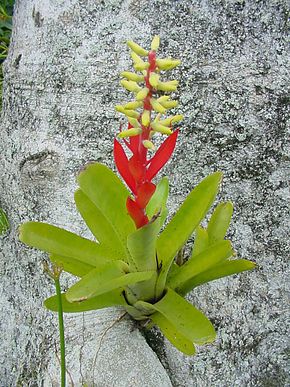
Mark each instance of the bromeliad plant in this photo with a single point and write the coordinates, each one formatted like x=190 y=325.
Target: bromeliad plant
x=132 y=262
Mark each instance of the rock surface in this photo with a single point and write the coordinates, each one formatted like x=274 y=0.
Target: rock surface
x=61 y=85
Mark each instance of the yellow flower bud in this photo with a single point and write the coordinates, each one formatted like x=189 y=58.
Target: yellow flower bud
x=119 y=108
x=134 y=122
x=136 y=48
x=130 y=85
x=157 y=106
x=130 y=132
x=133 y=105
x=167 y=86
x=161 y=128
x=155 y=43
x=132 y=76
x=154 y=79
x=167 y=64
x=136 y=58
x=131 y=113
x=145 y=119
x=148 y=144
x=177 y=118
x=142 y=94
x=140 y=66
x=169 y=104
x=163 y=98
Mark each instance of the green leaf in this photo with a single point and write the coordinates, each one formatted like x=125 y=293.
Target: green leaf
x=158 y=200
x=142 y=246
x=184 y=317
x=58 y=241
x=72 y=265
x=219 y=222
x=184 y=222
x=172 y=334
x=103 y=301
x=4 y=224
x=103 y=280
x=222 y=270
x=199 y=263
x=109 y=194
x=201 y=241
x=99 y=225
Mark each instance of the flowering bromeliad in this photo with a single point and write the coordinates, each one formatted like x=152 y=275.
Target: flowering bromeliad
x=139 y=171
x=132 y=263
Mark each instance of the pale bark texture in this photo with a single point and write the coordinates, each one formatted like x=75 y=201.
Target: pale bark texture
x=61 y=85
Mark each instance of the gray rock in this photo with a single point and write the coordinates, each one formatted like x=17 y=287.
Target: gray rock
x=61 y=85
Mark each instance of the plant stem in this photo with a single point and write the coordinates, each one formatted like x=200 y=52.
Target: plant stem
x=61 y=332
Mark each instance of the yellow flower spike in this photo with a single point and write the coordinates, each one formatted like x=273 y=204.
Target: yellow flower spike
x=136 y=48
x=161 y=128
x=134 y=122
x=130 y=85
x=132 y=76
x=157 y=118
x=157 y=106
x=142 y=94
x=133 y=105
x=145 y=119
x=154 y=79
x=167 y=86
x=167 y=64
x=130 y=132
x=149 y=144
x=155 y=43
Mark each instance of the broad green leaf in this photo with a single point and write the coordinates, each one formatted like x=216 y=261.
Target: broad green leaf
x=58 y=241
x=103 y=301
x=222 y=270
x=4 y=224
x=99 y=225
x=199 y=263
x=219 y=222
x=158 y=200
x=200 y=242
x=100 y=281
x=142 y=246
x=172 y=334
x=184 y=222
x=185 y=318
x=109 y=194
x=72 y=265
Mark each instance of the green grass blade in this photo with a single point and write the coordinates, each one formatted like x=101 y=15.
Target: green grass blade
x=106 y=300
x=219 y=222
x=172 y=334
x=185 y=318
x=222 y=270
x=199 y=263
x=184 y=222
x=58 y=241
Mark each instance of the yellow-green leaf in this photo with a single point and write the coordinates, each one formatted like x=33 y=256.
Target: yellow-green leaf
x=219 y=222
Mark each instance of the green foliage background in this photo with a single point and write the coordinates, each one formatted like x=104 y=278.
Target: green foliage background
x=6 y=11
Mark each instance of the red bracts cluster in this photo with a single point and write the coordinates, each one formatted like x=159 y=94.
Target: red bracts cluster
x=138 y=169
